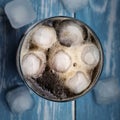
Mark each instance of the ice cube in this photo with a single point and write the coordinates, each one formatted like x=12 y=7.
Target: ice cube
x=31 y=64
x=20 y=13
x=107 y=91
x=90 y=55
x=19 y=100
x=61 y=61
x=78 y=83
x=74 y=5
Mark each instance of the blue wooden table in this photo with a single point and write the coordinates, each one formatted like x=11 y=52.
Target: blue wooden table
x=104 y=18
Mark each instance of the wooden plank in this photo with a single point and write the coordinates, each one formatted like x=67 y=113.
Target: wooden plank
x=102 y=16
x=9 y=40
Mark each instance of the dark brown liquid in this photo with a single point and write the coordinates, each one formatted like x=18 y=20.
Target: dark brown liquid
x=52 y=83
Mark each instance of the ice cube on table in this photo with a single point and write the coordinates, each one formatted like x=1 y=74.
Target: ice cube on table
x=74 y=5
x=19 y=100
x=20 y=13
x=107 y=91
